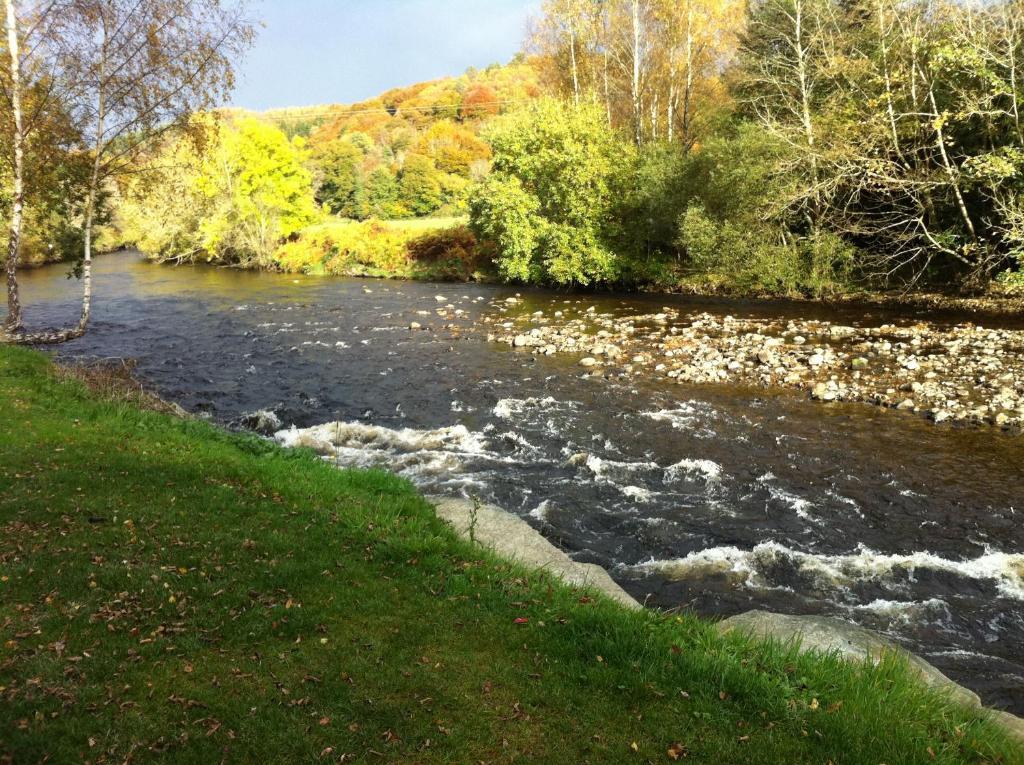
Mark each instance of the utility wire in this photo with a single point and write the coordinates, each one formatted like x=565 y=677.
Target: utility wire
x=341 y=111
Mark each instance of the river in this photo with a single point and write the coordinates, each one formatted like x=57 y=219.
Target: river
x=715 y=499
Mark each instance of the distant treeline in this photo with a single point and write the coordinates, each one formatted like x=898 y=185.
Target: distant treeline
x=788 y=146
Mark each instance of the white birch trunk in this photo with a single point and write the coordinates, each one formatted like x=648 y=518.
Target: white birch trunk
x=14 y=321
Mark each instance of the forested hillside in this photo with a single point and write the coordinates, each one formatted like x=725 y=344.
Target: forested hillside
x=783 y=147
x=411 y=151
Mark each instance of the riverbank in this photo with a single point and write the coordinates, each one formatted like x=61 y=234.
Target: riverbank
x=445 y=250
x=960 y=373
x=154 y=604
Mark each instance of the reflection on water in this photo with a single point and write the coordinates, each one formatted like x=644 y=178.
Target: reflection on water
x=717 y=499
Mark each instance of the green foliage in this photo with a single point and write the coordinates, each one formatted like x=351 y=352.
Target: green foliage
x=547 y=204
x=340 y=186
x=381 y=192
x=440 y=249
x=730 y=255
x=230 y=193
x=419 y=189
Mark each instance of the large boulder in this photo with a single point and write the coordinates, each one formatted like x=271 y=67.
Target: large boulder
x=513 y=538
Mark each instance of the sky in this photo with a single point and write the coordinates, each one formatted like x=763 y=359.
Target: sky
x=342 y=51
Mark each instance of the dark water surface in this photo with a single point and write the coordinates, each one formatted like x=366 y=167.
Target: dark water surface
x=715 y=499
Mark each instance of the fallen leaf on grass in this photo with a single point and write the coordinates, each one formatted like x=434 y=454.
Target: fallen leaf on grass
x=677 y=751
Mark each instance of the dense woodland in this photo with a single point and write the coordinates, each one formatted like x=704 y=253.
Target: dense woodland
x=782 y=147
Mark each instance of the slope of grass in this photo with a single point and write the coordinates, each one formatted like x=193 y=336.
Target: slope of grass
x=170 y=592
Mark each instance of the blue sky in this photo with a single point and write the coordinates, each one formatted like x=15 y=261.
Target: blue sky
x=340 y=51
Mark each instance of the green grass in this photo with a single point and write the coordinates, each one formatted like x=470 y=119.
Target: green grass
x=173 y=593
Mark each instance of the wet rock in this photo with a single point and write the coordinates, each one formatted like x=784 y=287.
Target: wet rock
x=973 y=374
x=512 y=537
x=588 y=361
x=415 y=325
x=839 y=331
x=262 y=421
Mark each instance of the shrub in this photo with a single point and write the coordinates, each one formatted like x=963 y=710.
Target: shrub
x=547 y=207
x=389 y=249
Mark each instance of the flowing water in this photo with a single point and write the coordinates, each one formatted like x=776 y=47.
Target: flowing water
x=713 y=499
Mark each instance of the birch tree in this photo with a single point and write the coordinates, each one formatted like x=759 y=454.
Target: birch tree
x=134 y=70
x=14 y=322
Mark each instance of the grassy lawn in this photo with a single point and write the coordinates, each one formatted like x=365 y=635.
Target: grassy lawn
x=172 y=593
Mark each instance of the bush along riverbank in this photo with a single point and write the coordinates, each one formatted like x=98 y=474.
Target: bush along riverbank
x=441 y=249
x=961 y=373
x=171 y=590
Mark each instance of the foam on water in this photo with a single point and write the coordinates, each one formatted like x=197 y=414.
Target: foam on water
x=753 y=567
x=424 y=456
x=709 y=470
x=540 y=512
x=691 y=416
x=508 y=408
x=799 y=505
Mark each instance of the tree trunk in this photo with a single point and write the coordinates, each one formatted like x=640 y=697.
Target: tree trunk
x=805 y=104
x=53 y=337
x=575 y=69
x=607 y=90
x=688 y=89
x=670 y=109
x=638 y=116
x=14 y=321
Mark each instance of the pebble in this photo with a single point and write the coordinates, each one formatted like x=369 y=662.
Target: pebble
x=962 y=373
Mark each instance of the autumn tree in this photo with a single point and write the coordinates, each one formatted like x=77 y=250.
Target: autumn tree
x=655 y=65
x=228 y=192
x=131 y=70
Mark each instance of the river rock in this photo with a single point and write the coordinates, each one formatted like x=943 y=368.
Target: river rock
x=588 y=361
x=973 y=373
x=512 y=537
x=415 y=325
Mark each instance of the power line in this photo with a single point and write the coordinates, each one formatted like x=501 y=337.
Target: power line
x=333 y=111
